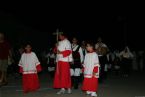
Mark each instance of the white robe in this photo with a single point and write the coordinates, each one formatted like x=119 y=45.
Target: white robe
x=63 y=46
x=29 y=62
x=91 y=61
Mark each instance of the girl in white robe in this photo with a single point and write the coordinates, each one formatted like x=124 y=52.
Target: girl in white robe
x=29 y=67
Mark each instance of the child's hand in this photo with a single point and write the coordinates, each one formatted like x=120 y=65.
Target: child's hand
x=95 y=74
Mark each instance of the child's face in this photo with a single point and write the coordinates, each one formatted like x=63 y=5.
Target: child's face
x=89 y=48
x=28 y=48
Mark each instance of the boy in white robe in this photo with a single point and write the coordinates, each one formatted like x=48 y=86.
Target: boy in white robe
x=91 y=71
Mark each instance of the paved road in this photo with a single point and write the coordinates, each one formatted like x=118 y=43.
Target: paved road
x=114 y=86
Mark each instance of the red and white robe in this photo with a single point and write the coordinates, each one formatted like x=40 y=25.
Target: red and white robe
x=29 y=67
x=62 y=77
x=91 y=65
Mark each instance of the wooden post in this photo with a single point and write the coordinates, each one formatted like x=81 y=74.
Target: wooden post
x=57 y=37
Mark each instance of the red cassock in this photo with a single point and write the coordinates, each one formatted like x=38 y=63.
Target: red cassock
x=29 y=67
x=91 y=84
x=91 y=72
x=62 y=77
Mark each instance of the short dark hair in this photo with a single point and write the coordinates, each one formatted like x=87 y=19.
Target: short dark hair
x=27 y=43
x=91 y=43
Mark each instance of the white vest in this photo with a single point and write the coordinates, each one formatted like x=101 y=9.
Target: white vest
x=74 y=48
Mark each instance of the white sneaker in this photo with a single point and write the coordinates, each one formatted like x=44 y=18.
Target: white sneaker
x=69 y=91
x=62 y=91
x=88 y=92
x=93 y=94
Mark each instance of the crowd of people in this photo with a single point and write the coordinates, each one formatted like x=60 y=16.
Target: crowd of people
x=69 y=63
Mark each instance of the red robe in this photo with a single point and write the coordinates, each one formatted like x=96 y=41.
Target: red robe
x=30 y=80
x=62 y=77
x=91 y=84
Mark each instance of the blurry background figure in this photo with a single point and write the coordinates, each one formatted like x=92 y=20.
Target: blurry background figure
x=11 y=70
x=134 y=61
x=83 y=46
x=17 y=57
x=76 y=66
x=102 y=51
x=140 y=60
x=116 y=62
x=43 y=59
x=5 y=53
x=126 y=61
x=116 y=66
x=51 y=64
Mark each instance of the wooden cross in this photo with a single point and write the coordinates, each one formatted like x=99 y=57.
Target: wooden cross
x=57 y=33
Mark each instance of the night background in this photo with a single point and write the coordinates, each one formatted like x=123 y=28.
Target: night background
x=118 y=23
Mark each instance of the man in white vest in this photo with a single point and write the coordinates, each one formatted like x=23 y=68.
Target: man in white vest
x=62 y=77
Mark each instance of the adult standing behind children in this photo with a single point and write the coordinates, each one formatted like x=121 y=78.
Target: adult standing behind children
x=4 y=54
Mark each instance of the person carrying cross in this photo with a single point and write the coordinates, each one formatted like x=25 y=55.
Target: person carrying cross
x=62 y=78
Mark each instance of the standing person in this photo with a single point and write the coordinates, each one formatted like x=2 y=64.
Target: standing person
x=134 y=61
x=126 y=60
x=76 y=66
x=4 y=54
x=102 y=50
x=83 y=46
x=62 y=77
x=29 y=67
x=91 y=71
x=140 y=60
x=51 y=56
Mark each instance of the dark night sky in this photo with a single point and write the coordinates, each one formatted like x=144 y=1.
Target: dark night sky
x=105 y=19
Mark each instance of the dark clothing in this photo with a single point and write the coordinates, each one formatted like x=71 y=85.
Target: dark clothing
x=103 y=62
x=4 y=50
x=126 y=66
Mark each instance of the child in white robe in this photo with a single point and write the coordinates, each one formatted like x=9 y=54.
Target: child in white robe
x=91 y=71
x=29 y=67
